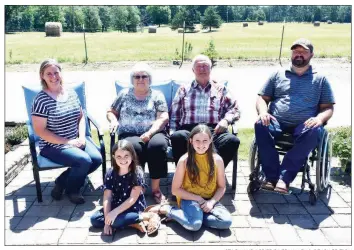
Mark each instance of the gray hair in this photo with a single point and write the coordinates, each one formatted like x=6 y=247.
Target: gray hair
x=201 y=58
x=45 y=64
x=141 y=67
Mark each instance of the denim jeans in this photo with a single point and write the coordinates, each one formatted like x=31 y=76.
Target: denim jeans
x=305 y=140
x=122 y=220
x=192 y=217
x=81 y=162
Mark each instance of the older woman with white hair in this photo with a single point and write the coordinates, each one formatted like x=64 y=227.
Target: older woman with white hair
x=140 y=114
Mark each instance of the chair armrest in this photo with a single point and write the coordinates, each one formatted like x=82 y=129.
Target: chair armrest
x=32 y=144
x=95 y=123
x=234 y=129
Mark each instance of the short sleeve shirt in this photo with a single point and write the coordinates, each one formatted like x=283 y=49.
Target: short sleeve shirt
x=137 y=116
x=121 y=187
x=62 y=117
x=294 y=99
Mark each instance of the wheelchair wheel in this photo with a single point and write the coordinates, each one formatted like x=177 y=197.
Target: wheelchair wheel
x=323 y=164
x=313 y=198
x=253 y=187
x=253 y=155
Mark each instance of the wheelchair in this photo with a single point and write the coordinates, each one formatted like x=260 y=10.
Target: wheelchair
x=320 y=157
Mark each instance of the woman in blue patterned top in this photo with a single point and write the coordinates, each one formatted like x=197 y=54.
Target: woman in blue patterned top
x=140 y=114
x=58 y=120
x=123 y=198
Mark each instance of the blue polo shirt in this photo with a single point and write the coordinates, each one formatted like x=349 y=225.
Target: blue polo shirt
x=294 y=98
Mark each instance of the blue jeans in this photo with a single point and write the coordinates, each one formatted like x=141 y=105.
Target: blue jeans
x=122 y=220
x=191 y=216
x=81 y=162
x=305 y=140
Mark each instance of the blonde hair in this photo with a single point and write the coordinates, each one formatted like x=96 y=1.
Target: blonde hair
x=45 y=64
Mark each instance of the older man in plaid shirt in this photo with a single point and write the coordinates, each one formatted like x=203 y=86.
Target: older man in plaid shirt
x=204 y=101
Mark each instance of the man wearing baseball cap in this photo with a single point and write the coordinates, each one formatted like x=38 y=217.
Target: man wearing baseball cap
x=300 y=101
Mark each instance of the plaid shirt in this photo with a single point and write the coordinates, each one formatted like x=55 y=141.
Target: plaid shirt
x=193 y=104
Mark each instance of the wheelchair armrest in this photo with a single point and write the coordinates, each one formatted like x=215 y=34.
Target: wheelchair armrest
x=32 y=140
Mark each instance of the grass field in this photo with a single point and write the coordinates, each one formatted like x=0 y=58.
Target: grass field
x=232 y=41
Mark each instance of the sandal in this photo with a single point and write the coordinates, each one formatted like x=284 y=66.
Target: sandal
x=158 y=206
x=153 y=224
x=158 y=196
x=139 y=226
x=281 y=187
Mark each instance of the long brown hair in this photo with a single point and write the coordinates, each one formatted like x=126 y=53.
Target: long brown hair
x=126 y=146
x=192 y=168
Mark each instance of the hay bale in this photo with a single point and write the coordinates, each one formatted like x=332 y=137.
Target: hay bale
x=245 y=24
x=180 y=30
x=260 y=23
x=53 y=29
x=329 y=22
x=152 y=29
x=316 y=24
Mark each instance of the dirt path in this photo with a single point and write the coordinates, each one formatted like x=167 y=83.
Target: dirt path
x=245 y=79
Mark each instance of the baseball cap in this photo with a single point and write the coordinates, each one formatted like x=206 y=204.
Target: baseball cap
x=306 y=44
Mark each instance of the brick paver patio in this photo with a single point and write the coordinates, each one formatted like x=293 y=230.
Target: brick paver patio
x=260 y=219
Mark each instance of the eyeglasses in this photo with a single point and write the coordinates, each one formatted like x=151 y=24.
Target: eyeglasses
x=137 y=77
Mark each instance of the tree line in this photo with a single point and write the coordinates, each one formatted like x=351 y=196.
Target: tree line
x=131 y=18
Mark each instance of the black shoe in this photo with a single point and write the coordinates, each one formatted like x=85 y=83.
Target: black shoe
x=76 y=198
x=57 y=192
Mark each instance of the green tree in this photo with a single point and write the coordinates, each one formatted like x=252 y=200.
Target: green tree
x=12 y=12
x=211 y=18
x=133 y=18
x=46 y=13
x=74 y=17
x=119 y=17
x=92 y=20
x=103 y=12
x=317 y=14
x=188 y=14
x=27 y=18
x=345 y=14
x=159 y=14
x=334 y=13
x=259 y=15
x=174 y=9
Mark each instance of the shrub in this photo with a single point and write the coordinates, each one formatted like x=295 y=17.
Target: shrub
x=188 y=48
x=342 y=145
x=211 y=52
x=17 y=135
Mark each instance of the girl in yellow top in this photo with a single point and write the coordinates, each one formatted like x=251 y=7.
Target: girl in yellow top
x=198 y=184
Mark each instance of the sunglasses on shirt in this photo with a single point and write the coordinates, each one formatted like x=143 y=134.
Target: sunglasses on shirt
x=137 y=77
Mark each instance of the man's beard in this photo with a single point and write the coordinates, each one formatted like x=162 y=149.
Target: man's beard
x=300 y=62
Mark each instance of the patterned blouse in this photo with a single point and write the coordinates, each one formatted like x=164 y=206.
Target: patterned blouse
x=137 y=116
x=121 y=187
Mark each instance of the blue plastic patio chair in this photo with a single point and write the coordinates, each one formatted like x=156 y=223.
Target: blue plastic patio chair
x=41 y=163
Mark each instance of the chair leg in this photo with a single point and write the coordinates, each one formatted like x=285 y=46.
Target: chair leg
x=234 y=171
x=38 y=184
x=103 y=166
x=113 y=138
